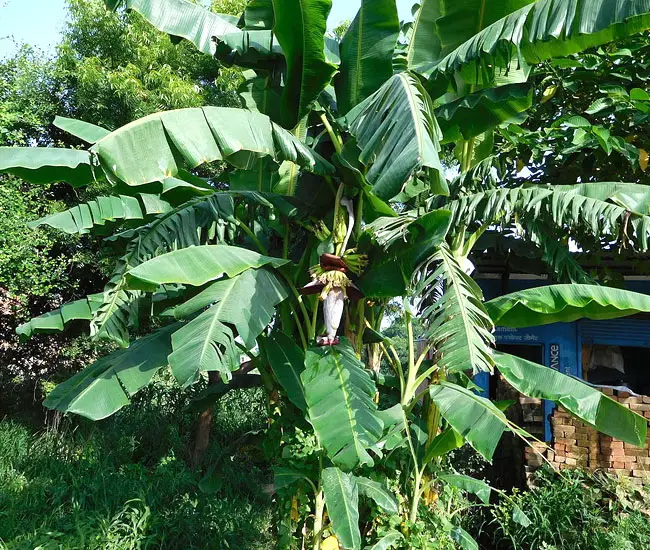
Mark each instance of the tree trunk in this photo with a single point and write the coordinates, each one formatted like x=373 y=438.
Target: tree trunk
x=202 y=434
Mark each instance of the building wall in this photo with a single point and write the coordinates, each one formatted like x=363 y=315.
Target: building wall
x=575 y=444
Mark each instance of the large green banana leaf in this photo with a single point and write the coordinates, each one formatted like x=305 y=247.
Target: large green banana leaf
x=475 y=418
x=107 y=385
x=476 y=113
x=376 y=491
x=196 y=266
x=342 y=502
x=564 y=304
x=47 y=165
x=542 y=30
x=399 y=137
x=80 y=219
x=178 y=229
x=367 y=52
x=245 y=302
x=161 y=145
x=287 y=362
x=340 y=403
x=55 y=321
x=588 y=404
x=85 y=131
x=205 y=29
x=144 y=151
x=635 y=197
x=458 y=326
x=558 y=205
x=441 y=26
x=300 y=27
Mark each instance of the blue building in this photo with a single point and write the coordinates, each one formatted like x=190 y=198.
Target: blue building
x=613 y=355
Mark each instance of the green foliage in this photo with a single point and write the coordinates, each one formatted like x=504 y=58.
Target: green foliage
x=125 y=482
x=575 y=510
x=303 y=180
x=31 y=262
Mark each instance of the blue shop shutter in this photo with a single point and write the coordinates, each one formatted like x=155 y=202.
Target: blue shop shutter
x=615 y=332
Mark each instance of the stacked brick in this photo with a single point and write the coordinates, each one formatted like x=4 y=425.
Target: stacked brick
x=577 y=445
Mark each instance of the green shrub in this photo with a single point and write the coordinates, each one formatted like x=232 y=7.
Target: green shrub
x=575 y=511
x=124 y=482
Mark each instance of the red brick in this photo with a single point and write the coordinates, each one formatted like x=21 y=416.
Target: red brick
x=618 y=465
x=630 y=400
x=560 y=459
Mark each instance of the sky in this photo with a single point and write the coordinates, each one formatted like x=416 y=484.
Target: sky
x=39 y=22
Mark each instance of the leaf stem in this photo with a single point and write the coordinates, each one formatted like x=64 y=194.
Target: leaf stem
x=252 y=236
x=336 y=140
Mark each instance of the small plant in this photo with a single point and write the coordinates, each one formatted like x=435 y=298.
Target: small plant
x=575 y=510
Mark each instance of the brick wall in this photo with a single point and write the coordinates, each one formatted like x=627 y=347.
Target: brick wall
x=578 y=445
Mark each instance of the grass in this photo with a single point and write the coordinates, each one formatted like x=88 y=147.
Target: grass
x=576 y=511
x=124 y=483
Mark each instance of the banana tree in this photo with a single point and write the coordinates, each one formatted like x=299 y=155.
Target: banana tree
x=334 y=202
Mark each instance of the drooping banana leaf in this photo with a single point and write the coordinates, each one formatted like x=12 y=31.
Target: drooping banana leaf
x=440 y=26
x=376 y=491
x=258 y=15
x=476 y=113
x=558 y=205
x=564 y=304
x=55 y=321
x=367 y=52
x=340 y=403
x=82 y=218
x=245 y=302
x=588 y=404
x=300 y=27
x=107 y=385
x=85 y=131
x=188 y=225
x=542 y=30
x=205 y=29
x=161 y=145
x=475 y=418
x=399 y=137
x=470 y=485
x=144 y=151
x=47 y=165
x=342 y=502
x=196 y=266
x=458 y=326
x=287 y=362
x=635 y=197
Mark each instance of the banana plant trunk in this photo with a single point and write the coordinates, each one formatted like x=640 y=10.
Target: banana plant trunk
x=203 y=426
